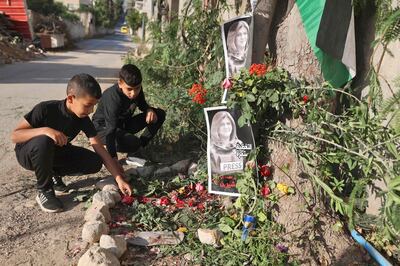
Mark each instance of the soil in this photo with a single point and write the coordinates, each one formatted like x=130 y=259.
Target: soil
x=314 y=235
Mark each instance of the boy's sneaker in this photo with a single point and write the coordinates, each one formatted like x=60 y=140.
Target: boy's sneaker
x=48 y=202
x=59 y=186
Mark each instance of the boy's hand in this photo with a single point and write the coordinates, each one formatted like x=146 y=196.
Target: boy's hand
x=123 y=186
x=151 y=116
x=59 y=138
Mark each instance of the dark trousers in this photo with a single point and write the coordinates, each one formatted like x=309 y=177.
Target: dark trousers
x=127 y=141
x=40 y=154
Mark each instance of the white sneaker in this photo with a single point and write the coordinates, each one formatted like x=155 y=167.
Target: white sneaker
x=135 y=161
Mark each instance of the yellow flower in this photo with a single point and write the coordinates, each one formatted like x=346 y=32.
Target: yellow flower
x=182 y=229
x=181 y=190
x=282 y=188
x=240 y=94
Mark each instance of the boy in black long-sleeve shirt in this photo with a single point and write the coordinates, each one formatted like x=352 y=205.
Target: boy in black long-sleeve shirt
x=114 y=118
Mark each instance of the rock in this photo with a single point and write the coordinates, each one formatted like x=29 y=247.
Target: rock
x=117 y=197
x=152 y=238
x=97 y=256
x=105 y=197
x=108 y=182
x=163 y=172
x=114 y=244
x=181 y=166
x=146 y=172
x=93 y=230
x=210 y=237
x=98 y=212
x=192 y=169
x=110 y=188
x=188 y=257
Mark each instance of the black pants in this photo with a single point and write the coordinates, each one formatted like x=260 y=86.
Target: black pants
x=126 y=140
x=40 y=154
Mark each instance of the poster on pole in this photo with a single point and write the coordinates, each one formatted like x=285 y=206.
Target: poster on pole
x=228 y=147
x=237 y=39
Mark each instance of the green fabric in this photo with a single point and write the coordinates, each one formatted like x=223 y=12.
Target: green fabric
x=333 y=70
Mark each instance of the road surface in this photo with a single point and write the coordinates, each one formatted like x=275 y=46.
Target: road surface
x=27 y=235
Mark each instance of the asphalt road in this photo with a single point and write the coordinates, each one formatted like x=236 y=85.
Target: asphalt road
x=23 y=84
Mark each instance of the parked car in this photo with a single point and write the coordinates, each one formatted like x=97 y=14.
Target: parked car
x=124 y=29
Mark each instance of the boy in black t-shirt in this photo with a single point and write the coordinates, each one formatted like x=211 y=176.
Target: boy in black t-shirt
x=43 y=142
x=114 y=119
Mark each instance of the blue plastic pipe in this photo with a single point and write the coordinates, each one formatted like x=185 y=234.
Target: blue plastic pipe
x=371 y=250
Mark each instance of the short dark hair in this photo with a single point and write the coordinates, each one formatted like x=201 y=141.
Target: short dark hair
x=82 y=85
x=131 y=75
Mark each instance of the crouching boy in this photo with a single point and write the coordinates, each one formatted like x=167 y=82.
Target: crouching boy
x=43 y=142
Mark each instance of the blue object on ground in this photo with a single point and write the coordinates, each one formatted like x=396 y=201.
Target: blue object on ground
x=371 y=250
x=249 y=223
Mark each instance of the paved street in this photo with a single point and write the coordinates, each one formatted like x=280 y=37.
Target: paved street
x=27 y=235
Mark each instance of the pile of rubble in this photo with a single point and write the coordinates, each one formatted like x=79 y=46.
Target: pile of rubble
x=12 y=48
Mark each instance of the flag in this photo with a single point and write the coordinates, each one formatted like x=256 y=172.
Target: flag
x=329 y=25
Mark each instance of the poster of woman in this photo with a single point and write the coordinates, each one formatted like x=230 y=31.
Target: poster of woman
x=228 y=146
x=237 y=36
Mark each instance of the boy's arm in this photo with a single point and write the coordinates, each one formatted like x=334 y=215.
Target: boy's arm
x=151 y=116
x=111 y=165
x=141 y=102
x=24 y=132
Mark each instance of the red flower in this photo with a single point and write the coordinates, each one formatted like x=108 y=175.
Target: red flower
x=265 y=191
x=305 y=98
x=163 y=201
x=143 y=199
x=258 y=69
x=127 y=199
x=199 y=187
x=191 y=202
x=227 y=84
x=265 y=170
x=198 y=92
x=180 y=203
x=200 y=206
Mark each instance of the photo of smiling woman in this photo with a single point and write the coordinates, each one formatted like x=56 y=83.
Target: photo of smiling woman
x=237 y=41
x=228 y=147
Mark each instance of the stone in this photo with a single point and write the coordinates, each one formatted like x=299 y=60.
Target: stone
x=115 y=244
x=163 y=172
x=146 y=171
x=153 y=238
x=181 y=166
x=98 y=212
x=97 y=256
x=93 y=230
x=117 y=197
x=110 y=188
x=105 y=197
x=106 y=182
x=192 y=169
x=210 y=236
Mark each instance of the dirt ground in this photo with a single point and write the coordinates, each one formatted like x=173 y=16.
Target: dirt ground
x=29 y=236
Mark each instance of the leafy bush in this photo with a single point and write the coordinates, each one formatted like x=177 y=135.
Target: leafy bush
x=49 y=7
x=134 y=19
x=350 y=149
x=183 y=53
x=107 y=12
